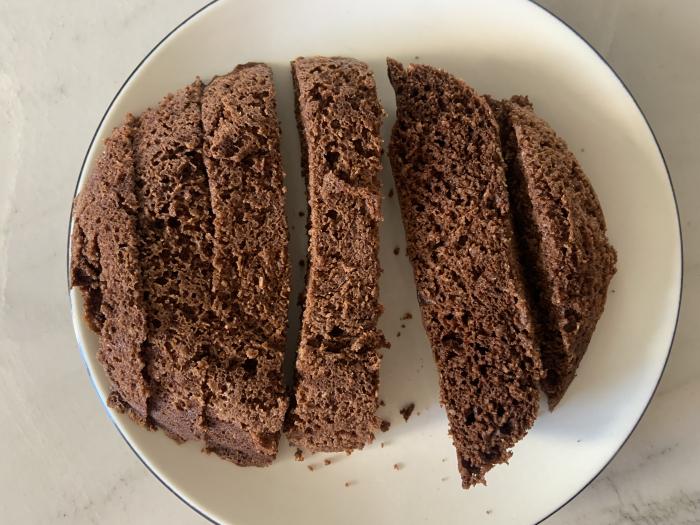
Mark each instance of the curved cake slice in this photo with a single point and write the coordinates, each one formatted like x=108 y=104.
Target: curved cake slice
x=105 y=266
x=563 y=243
x=251 y=275
x=202 y=335
x=450 y=176
x=174 y=227
x=337 y=365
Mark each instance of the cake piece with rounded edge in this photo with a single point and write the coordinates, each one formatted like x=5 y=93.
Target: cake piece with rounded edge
x=450 y=176
x=337 y=367
x=562 y=236
x=251 y=274
x=105 y=267
x=175 y=238
x=206 y=251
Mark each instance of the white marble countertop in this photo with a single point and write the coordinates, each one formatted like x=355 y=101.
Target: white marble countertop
x=60 y=65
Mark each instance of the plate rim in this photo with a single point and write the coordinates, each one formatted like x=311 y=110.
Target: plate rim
x=555 y=18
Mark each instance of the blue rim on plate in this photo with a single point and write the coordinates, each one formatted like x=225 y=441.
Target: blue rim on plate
x=555 y=17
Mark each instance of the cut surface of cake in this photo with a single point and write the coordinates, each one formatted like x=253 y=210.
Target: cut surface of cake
x=450 y=176
x=105 y=267
x=179 y=248
x=251 y=274
x=337 y=367
x=562 y=235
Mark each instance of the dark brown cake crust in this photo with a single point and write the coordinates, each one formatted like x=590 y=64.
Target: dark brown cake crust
x=196 y=240
x=450 y=176
x=338 y=361
x=562 y=236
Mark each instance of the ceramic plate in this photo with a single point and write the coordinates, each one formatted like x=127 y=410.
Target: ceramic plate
x=500 y=48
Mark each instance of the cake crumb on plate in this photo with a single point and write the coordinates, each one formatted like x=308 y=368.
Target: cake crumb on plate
x=407 y=411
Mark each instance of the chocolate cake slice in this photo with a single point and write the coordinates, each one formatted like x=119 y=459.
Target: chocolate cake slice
x=446 y=158
x=251 y=275
x=175 y=243
x=182 y=258
x=563 y=242
x=338 y=360
x=105 y=267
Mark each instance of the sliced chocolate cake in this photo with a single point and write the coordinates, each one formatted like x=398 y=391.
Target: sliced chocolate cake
x=446 y=157
x=563 y=244
x=337 y=368
x=175 y=238
x=251 y=275
x=180 y=249
x=105 y=266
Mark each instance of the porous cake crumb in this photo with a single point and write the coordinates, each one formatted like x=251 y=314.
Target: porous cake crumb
x=337 y=366
x=562 y=240
x=445 y=154
x=179 y=234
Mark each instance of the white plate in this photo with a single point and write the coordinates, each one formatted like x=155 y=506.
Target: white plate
x=500 y=48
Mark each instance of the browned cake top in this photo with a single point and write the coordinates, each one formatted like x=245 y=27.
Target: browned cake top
x=450 y=175
x=339 y=119
x=564 y=244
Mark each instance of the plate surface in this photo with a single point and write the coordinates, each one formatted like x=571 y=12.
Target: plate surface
x=500 y=48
